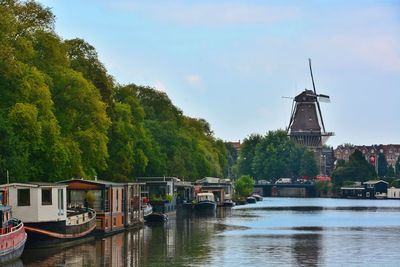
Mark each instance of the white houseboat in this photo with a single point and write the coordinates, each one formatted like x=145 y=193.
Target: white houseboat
x=43 y=209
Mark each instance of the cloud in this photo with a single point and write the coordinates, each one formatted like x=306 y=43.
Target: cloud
x=194 y=80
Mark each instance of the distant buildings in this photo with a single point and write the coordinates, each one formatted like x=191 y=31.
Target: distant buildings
x=236 y=145
x=391 y=152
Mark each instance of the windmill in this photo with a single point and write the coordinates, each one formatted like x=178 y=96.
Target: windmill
x=306 y=125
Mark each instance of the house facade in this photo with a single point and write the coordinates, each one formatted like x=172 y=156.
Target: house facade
x=391 y=152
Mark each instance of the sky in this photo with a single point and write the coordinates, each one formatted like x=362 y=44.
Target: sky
x=232 y=62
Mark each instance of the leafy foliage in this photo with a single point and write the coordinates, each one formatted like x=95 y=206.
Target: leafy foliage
x=244 y=186
x=63 y=116
x=382 y=165
x=273 y=156
x=356 y=169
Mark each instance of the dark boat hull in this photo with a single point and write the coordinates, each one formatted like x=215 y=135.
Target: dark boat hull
x=251 y=200
x=156 y=217
x=205 y=206
x=47 y=234
x=228 y=204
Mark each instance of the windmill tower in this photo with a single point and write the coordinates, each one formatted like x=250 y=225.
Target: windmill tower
x=306 y=125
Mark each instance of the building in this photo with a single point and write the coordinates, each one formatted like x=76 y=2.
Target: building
x=393 y=193
x=369 y=189
x=107 y=200
x=391 y=152
x=306 y=127
x=236 y=145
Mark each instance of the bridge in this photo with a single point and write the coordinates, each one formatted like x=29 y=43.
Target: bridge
x=286 y=190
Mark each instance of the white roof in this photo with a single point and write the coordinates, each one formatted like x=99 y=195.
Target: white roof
x=205 y=194
x=33 y=185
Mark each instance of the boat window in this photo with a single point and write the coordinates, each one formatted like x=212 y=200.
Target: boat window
x=61 y=201
x=24 y=197
x=46 y=196
x=117 y=202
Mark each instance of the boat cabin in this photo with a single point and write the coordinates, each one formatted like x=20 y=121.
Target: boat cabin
x=221 y=188
x=36 y=202
x=205 y=197
x=161 y=191
x=134 y=216
x=5 y=216
x=105 y=197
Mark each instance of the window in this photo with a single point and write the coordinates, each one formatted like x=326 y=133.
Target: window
x=60 y=201
x=24 y=197
x=117 y=203
x=46 y=196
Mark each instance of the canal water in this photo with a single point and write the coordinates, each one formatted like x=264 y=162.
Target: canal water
x=273 y=232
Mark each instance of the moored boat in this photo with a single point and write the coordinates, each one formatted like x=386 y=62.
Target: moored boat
x=257 y=197
x=42 y=207
x=251 y=200
x=228 y=203
x=12 y=236
x=205 y=202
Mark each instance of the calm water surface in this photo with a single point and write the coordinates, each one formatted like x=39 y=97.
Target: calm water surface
x=276 y=231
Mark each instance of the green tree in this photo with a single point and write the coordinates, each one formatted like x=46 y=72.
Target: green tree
x=390 y=172
x=308 y=164
x=246 y=154
x=397 y=167
x=244 y=186
x=382 y=165
x=356 y=169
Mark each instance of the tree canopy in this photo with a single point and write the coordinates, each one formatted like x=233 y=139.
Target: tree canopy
x=273 y=156
x=62 y=115
x=356 y=169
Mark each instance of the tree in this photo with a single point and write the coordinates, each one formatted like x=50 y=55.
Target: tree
x=244 y=186
x=382 y=165
x=390 y=172
x=397 y=167
x=356 y=169
x=308 y=164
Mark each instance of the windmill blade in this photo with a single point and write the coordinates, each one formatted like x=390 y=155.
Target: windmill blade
x=324 y=98
x=315 y=92
x=291 y=118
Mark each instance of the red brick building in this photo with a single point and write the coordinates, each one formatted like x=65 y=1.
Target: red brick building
x=391 y=152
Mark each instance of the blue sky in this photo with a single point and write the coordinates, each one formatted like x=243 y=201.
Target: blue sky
x=230 y=62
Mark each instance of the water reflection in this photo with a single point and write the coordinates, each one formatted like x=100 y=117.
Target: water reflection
x=244 y=236
x=307 y=248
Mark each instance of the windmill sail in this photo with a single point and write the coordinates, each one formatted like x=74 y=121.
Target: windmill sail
x=324 y=98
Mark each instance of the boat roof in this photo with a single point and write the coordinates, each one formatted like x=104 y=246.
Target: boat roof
x=375 y=182
x=32 y=185
x=99 y=182
x=205 y=194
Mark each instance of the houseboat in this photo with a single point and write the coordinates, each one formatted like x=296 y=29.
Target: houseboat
x=12 y=236
x=222 y=189
x=161 y=192
x=43 y=209
x=205 y=202
x=117 y=205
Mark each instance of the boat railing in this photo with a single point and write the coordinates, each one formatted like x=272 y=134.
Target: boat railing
x=81 y=218
x=11 y=228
